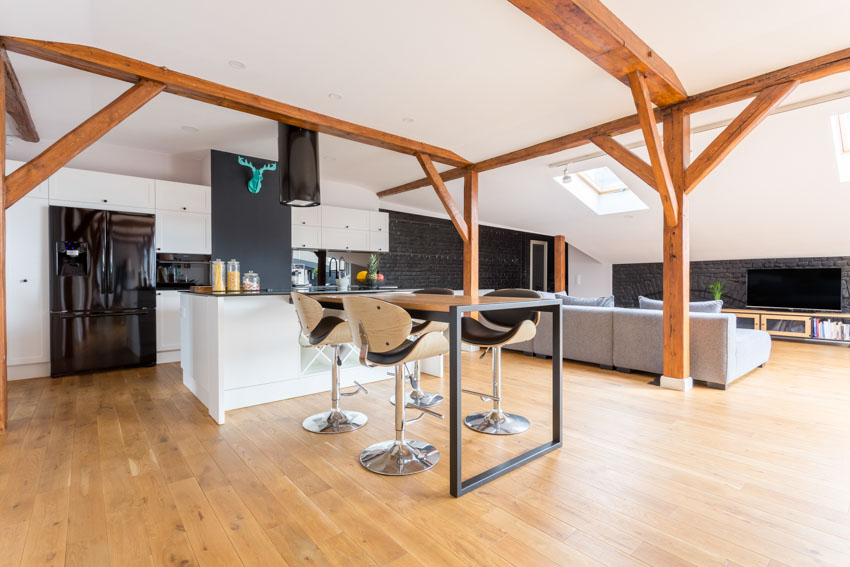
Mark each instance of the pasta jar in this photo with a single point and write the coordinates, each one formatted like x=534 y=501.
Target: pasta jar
x=233 y=276
x=251 y=281
x=217 y=276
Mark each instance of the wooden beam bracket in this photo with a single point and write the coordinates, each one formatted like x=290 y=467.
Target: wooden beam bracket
x=735 y=132
x=16 y=104
x=626 y=158
x=660 y=169
x=27 y=177
x=445 y=197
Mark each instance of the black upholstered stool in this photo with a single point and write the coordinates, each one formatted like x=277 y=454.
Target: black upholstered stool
x=383 y=331
x=515 y=326
x=416 y=396
x=320 y=330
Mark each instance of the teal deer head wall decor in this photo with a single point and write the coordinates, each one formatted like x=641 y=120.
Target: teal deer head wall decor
x=256 y=182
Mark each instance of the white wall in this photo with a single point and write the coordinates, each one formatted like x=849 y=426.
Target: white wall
x=587 y=277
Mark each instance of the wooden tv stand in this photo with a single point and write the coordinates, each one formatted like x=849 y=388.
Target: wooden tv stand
x=791 y=324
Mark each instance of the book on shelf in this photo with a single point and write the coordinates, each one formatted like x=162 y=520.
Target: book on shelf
x=830 y=329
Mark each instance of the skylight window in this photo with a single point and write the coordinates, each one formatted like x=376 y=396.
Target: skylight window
x=841 y=139
x=601 y=191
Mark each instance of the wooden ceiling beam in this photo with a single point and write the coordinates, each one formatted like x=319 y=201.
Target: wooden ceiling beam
x=596 y=32
x=28 y=176
x=735 y=132
x=657 y=158
x=123 y=68
x=445 y=197
x=626 y=158
x=813 y=69
x=16 y=104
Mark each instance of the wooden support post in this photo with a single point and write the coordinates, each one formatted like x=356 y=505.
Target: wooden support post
x=470 y=245
x=560 y=263
x=444 y=195
x=16 y=104
x=677 y=289
x=4 y=385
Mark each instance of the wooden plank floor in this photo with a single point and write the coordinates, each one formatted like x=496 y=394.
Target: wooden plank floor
x=125 y=468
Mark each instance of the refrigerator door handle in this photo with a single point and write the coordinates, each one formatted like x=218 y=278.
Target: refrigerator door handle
x=122 y=313
x=109 y=267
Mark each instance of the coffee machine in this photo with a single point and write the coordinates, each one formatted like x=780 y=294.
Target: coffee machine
x=300 y=275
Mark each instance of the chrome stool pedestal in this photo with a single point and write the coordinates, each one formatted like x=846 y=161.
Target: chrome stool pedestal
x=336 y=420
x=417 y=397
x=495 y=421
x=400 y=456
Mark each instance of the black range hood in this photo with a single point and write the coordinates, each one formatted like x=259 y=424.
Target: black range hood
x=298 y=159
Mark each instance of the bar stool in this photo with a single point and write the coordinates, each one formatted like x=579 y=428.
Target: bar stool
x=321 y=330
x=382 y=331
x=516 y=326
x=416 y=396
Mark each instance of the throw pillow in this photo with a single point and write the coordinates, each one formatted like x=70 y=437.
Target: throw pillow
x=604 y=301
x=695 y=306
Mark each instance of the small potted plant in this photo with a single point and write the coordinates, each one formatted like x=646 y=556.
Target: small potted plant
x=716 y=289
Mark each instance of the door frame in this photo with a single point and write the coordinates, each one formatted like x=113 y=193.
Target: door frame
x=545 y=244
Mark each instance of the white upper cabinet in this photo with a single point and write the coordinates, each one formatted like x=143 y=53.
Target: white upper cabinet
x=339 y=217
x=379 y=241
x=101 y=190
x=306 y=237
x=183 y=233
x=306 y=216
x=379 y=222
x=173 y=196
x=344 y=239
x=39 y=192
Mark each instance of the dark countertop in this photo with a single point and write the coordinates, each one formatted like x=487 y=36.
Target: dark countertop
x=287 y=292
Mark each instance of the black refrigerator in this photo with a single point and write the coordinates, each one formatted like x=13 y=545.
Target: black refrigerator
x=102 y=290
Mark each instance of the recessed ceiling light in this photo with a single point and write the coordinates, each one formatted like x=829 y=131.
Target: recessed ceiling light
x=236 y=64
x=10 y=140
x=190 y=129
x=328 y=158
x=407 y=120
x=334 y=96
x=628 y=216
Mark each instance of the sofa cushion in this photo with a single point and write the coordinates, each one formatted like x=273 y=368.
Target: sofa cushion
x=587 y=334
x=604 y=301
x=715 y=306
x=752 y=349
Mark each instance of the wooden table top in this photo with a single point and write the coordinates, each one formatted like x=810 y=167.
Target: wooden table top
x=424 y=302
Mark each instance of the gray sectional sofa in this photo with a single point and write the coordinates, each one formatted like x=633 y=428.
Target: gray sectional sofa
x=631 y=339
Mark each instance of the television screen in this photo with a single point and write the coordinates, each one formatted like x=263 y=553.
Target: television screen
x=795 y=288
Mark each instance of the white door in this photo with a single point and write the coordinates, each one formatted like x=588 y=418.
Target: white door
x=306 y=237
x=27 y=304
x=538 y=267
x=379 y=222
x=342 y=239
x=187 y=233
x=167 y=320
x=306 y=216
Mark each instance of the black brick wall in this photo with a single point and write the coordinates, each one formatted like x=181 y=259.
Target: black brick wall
x=632 y=280
x=428 y=252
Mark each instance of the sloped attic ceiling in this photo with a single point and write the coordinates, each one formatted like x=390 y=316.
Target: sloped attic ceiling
x=478 y=77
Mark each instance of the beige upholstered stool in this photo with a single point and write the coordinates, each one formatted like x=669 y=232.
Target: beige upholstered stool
x=320 y=330
x=416 y=396
x=382 y=331
x=515 y=326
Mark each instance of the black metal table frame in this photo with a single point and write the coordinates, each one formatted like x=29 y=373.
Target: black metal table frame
x=458 y=486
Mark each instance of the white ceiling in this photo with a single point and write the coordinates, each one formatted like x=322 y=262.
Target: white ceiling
x=478 y=77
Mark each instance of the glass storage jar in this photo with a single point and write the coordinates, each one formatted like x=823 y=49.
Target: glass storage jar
x=251 y=281
x=233 y=280
x=217 y=276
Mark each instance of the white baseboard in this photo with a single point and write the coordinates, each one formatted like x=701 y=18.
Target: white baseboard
x=25 y=371
x=682 y=384
x=166 y=356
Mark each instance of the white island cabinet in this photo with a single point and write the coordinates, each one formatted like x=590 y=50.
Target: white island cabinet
x=244 y=350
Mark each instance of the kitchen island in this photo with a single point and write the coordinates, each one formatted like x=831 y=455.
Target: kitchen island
x=244 y=349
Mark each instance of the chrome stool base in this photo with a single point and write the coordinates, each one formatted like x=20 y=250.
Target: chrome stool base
x=399 y=458
x=335 y=421
x=421 y=399
x=496 y=422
